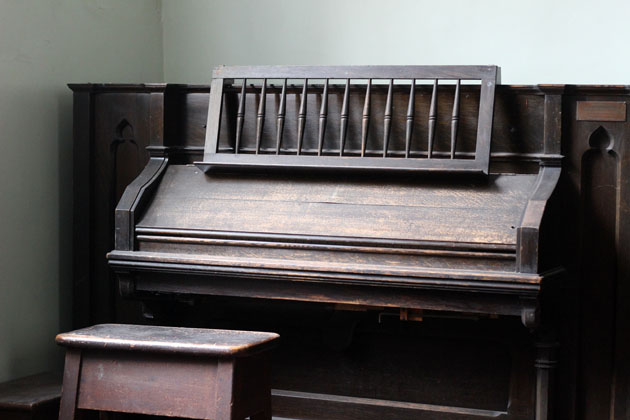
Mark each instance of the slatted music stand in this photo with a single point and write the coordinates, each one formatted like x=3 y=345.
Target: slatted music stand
x=289 y=153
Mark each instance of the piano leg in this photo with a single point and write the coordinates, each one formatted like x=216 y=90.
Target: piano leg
x=545 y=367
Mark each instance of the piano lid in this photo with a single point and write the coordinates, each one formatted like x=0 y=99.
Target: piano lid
x=482 y=212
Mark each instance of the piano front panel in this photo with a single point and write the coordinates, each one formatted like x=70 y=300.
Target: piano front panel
x=414 y=209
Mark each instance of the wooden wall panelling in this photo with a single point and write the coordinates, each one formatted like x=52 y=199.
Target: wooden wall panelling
x=598 y=171
x=621 y=371
x=185 y=119
x=82 y=133
x=113 y=125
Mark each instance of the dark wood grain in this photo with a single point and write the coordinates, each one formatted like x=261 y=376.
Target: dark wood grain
x=337 y=407
x=282 y=109
x=370 y=240
x=353 y=125
x=111 y=133
x=597 y=175
x=411 y=110
x=355 y=72
x=260 y=118
x=432 y=119
x=165 y=371
x=302 y=117
x=214 y=116
x=157 y=339
x=455 y=120
x=387 y=119
x=310 y=205
x=148 y=384
x=343 y=119
x=240 y=115
x=601 y=111
x=365 y=126
x=70 y=387
x=82 y=255
x=34 y=397
x=517 y=133
x=528 y=124
x=323 y=117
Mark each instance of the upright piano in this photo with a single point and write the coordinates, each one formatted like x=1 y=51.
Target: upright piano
x=397 y=225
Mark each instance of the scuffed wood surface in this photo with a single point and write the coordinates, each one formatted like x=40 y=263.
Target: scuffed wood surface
x=431 y=210
x=169 y=339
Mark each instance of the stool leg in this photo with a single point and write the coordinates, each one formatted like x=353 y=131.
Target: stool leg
x=70 y=387
x=225 y=389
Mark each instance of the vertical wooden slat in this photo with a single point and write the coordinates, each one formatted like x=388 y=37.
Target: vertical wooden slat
x=240 y=117
x=224 y=390
x=343 y=122
x=260 y=118
x=486 y=115
x=302 y=117
x=455 y=120
x=387 y=119
x=411 y=109
x=552 y=123
x=281 y=114
x=366 y=118
x=213 y=124
x=432 y=119
x=323 y=117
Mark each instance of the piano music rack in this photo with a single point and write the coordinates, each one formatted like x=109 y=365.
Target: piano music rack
x=304 y=132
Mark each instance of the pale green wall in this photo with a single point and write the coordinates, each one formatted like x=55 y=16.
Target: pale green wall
x=45 y=44
x=535 y=41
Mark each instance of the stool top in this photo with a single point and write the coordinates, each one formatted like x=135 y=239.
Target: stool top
x=154 y=339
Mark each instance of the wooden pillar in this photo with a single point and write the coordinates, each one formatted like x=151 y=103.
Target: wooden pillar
x=545 y=369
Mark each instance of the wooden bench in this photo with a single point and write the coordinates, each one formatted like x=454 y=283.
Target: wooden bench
x=34 y=397
x=181 y=372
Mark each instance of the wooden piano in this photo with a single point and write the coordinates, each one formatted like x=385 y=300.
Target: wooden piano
x=372 y=193
x=403 y=228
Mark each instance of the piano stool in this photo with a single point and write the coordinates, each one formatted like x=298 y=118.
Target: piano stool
x=167 y=371
x=34 y=397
